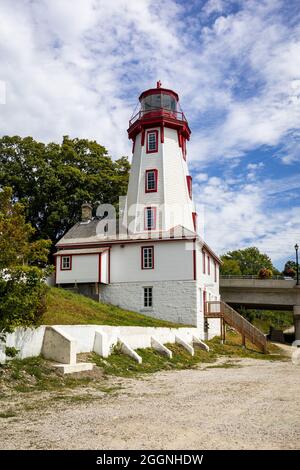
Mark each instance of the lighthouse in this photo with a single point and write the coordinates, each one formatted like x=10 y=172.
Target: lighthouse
x=156 y=264
x=159 y=194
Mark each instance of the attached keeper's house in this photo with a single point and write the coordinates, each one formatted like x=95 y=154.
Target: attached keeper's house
x=154 y=262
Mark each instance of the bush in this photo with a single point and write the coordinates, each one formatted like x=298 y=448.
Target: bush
x=265 y=273
x=289 y=272
x=22 y=297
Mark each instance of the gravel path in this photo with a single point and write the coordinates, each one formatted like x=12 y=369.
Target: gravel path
x=253 y=406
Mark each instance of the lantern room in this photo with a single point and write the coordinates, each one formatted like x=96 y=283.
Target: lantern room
x=158 y=98
x=159 y=106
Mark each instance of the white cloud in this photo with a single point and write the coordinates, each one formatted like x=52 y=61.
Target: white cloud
x=233 y=217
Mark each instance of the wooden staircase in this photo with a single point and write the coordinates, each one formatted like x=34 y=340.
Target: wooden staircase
x=219 y=309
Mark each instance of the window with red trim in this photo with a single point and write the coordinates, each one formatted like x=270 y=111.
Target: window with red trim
x=147 y=257
x=152 y=141
x=66 y=263
x=208 y=265
x=150 y=218
x=151 y=181
x=194 y=215
x=189 y=185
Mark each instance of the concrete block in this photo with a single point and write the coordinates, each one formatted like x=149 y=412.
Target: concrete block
x=200 y=343
x=185 y=345
x=126 y=349
x=101 y=344
x=73 y=368
x=59 y=346
x=161 y=348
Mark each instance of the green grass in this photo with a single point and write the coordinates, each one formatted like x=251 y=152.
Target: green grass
x=121 y=365
x=66 y=308
x=233 y=348
x=124 y=366
x=36 y=374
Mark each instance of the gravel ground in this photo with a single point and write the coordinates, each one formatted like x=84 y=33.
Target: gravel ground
x=253 y=406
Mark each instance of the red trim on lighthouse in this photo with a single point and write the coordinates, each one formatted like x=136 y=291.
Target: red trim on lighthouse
x=189 y=185
x=133 y=144
x=154 y=190
x=142 y=256
x=179 y=138
x=70 y=265
x=143 y=137
x=194 y=215
x=154 y=131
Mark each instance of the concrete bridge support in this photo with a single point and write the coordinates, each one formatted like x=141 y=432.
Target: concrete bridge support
x=297 y=321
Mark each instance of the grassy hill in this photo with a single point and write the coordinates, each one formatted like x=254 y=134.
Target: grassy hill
x=67 y=308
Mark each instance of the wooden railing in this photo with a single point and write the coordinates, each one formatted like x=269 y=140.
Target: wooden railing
x=219 y=309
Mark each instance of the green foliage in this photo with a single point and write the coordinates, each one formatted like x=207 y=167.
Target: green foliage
x=11 y=351
x=16 y=247
x=22 y=297
x=230 y=267
x=55 y=179
x=22 y=285
x=264 y=319
x=250 y=260
x=290 y=269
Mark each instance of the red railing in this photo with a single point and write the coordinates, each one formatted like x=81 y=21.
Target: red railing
x=157 y=112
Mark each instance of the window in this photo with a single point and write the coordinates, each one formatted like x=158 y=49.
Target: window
x=203 y=258
x=189 y=185
x=215 y=272
x=151 y=181
x=147 y=257
x=150 y=218
x=208 y=265
x=148 y=298
x=66 y=263
x=152 y=141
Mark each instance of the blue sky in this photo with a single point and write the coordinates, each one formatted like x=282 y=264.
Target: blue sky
x=77 y=67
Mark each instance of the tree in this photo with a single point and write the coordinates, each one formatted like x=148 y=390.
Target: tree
x=16 y=247
x=22 y=267
x=250 y=260
x=53 y=180
x=230 y=267
x=290 y=269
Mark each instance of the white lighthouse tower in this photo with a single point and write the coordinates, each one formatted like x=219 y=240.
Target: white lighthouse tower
x=156 y=264
x=159 y=194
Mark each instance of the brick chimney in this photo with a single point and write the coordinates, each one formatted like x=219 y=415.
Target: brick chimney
x=86 y=212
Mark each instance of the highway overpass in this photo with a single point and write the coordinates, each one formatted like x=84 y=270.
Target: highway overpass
x=272 y=294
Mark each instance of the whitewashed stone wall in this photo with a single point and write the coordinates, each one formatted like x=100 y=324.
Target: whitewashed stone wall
x=174 y=301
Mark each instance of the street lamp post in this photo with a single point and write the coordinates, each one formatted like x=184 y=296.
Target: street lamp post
x=297 y=265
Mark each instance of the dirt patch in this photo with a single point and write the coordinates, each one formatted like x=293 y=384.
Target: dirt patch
x=253 y=406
